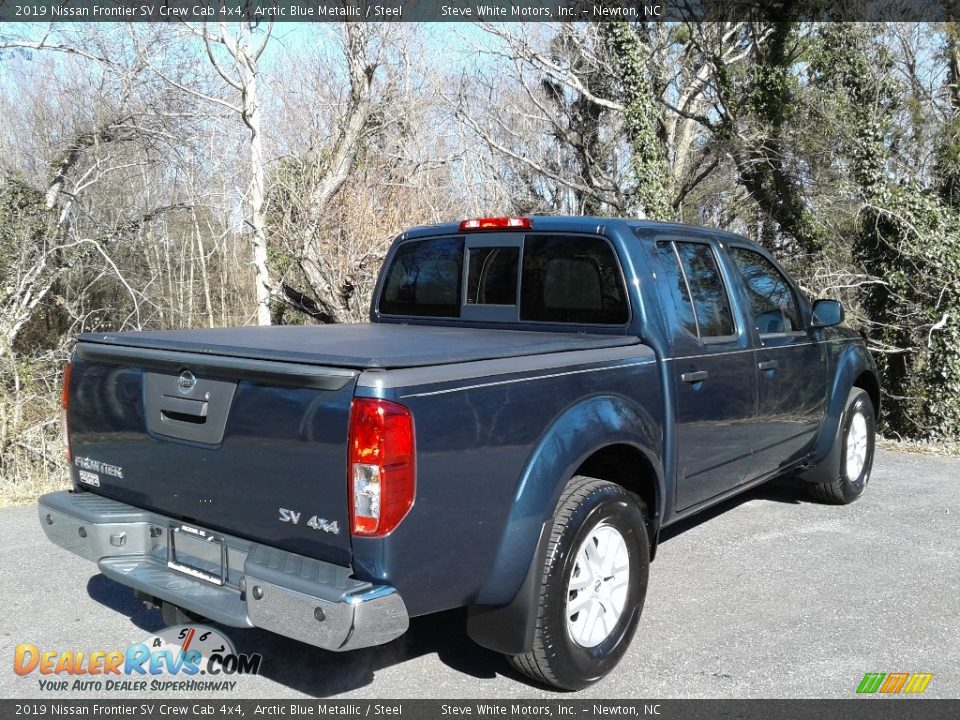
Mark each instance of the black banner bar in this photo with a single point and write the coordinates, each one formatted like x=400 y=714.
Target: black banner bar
x=474 y=10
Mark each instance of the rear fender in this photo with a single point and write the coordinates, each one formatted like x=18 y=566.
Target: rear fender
x=503 y=615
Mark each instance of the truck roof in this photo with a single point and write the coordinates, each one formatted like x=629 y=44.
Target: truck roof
x=578 y=223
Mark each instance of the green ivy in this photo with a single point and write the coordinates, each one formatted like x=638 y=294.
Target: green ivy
x=23 y=221
x=640 y=117
x=908 y=237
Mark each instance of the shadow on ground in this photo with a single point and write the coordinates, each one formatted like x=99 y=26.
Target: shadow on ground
x=783 y=490
x=319 y=673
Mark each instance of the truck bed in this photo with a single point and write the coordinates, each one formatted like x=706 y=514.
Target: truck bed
x=263 y=426
x=363 y=346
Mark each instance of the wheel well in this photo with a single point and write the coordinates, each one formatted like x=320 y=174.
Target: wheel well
x=868 y=381
x=626 y=466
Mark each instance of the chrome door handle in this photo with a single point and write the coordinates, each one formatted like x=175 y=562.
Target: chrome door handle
x=768 y=365
x=693 y=377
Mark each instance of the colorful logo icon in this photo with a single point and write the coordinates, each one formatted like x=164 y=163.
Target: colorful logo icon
x=892 y=683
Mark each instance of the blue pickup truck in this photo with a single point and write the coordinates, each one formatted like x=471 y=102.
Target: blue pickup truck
x=534 y=400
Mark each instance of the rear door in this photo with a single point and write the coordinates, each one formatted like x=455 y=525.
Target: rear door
x=713 y=372
x=791 y=362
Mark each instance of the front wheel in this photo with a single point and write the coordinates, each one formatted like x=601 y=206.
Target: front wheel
x=858 y=436
x=592 y=587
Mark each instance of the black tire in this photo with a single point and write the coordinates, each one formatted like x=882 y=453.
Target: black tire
x=843 y=489
x=556 y=658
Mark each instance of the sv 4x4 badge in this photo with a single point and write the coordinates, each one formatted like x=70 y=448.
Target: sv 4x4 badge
x=317 y=523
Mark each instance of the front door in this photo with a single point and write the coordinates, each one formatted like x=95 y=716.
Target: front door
x=791 y=363
x=713 y=371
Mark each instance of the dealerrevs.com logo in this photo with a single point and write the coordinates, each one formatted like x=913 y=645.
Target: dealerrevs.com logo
x=186 y=658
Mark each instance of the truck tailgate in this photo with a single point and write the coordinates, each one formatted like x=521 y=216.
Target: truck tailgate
x=251 y=448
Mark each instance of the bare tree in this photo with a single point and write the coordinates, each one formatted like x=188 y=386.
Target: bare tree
x=584 y=103
x=88 y=137
x=324 y=172
x=243 y=45
x=56 y=198
x=246 y=53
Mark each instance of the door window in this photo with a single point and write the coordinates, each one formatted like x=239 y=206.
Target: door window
x=701 y=294
x=772 y=303
x=673 y=279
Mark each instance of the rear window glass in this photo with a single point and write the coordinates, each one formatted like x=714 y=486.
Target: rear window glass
x=424 y=279
x=563 y=278
x=571 y=279
x=492 y=279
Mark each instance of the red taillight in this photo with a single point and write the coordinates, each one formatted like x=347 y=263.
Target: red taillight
x=381 y=470
x=64 y=410
x=496 y=223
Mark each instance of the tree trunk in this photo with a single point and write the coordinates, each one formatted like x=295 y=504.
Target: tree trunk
x=641 y=113
x=204 y=273
x=329 y=174
x=247 y=66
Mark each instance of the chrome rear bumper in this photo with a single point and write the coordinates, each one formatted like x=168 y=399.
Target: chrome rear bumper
x=292 y=595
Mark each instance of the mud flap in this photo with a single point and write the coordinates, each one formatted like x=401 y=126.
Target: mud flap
x=828 y=469
x=510 y=629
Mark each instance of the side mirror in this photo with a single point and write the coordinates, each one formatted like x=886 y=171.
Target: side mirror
x=827 y=313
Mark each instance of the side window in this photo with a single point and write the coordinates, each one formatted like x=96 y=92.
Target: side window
x=571 y=279
x=772 y=302
x=676 y=283
x=424 y=279
x=492 y=278
x=710 y=302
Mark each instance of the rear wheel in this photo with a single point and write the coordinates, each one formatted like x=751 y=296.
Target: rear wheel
x=858 y=436
x=592 y=586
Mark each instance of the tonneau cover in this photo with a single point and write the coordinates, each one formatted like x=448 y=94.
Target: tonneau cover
x=362 y=345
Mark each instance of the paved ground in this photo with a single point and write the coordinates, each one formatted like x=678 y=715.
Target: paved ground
x=769 y=595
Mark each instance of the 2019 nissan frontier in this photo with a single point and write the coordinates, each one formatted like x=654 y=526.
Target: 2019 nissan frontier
x=533 y=401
